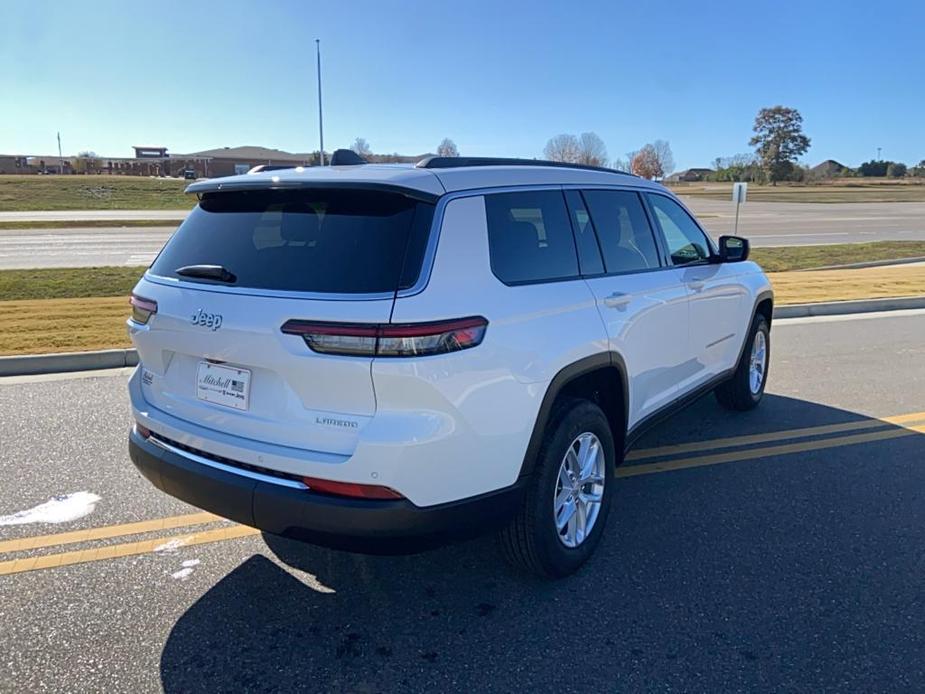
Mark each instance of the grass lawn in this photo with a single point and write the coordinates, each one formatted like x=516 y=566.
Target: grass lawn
x=844 y=285
x=71 y=309
x=803 y=257
x=24 y=193
x=63 y=325
x=89 y=224
x=68 y=283
x=840 y=190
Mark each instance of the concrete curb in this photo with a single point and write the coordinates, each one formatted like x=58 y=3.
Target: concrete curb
x=29 y=364
x=838 y=308
x=868 y=263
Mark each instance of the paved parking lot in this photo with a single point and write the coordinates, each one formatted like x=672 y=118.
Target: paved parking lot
x=779 y=550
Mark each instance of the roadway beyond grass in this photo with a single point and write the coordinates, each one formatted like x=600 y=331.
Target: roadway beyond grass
x=842 y=190
x=70 y=309
x=28 y=193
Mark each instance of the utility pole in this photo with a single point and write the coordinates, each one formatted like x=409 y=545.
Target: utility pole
x=60 y=158
x=320 y=121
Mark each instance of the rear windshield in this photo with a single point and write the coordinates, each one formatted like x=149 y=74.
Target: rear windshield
x=331 y=241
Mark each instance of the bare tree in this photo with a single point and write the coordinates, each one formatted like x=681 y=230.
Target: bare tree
x=563 y=147
x=361 y=147
x=622 y=164
x=447 y=148
x=87 y=162
x=591 y=150
x=664 y=156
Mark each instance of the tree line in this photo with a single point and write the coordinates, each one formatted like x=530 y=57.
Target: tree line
x=778 y=139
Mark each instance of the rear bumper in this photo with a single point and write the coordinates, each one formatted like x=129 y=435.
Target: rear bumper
x=371 y=526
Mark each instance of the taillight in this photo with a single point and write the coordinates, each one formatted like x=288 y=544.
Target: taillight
x=142 y=309
x=389 y=340
x=351 y=489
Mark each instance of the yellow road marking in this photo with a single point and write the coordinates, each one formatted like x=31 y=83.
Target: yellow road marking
x=712 y=444
x=48 y=561
x=737 y=456
x=82 y=556
x=108 y=531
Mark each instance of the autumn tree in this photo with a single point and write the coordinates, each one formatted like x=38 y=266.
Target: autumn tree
x=645 y=163
x=447 y=148
x=361 y=147
x=779 y=140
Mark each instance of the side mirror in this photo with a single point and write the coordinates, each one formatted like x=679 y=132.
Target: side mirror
x=733 y=249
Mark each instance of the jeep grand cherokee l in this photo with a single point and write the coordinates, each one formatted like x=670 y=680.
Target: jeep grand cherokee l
x=383 y=358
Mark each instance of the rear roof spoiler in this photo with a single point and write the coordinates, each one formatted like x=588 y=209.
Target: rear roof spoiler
x=262 y=182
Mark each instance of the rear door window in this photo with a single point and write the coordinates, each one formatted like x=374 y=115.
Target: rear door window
x=321 y=241
x=623 y=229
x=530 y=237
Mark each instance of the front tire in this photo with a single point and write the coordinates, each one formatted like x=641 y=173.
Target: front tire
x=746 y=387
x=567 y=500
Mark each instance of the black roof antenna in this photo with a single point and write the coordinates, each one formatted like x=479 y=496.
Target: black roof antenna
x=346 y=157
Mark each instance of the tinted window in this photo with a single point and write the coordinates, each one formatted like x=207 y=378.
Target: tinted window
x=332 y=241
x=686 y=243
x=623 y=229
x=529 y=237
x=589 y=253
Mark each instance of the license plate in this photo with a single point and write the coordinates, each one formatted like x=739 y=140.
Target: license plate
x=223 y=385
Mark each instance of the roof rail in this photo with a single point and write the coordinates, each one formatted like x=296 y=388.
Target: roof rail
x=454 y=162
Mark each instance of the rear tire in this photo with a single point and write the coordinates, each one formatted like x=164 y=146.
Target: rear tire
x=537 y=539
x=746 y=387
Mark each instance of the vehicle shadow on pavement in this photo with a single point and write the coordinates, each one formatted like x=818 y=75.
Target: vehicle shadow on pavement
x=799 y=572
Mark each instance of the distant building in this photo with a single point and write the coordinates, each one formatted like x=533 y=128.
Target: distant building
x=689 y=175
x=828 y=169
x=158 y=161
x=228 y=161
x=150 y=152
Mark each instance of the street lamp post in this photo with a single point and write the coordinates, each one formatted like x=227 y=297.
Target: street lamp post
x=320 y=121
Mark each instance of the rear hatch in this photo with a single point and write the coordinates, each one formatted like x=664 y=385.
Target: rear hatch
x=242 y=265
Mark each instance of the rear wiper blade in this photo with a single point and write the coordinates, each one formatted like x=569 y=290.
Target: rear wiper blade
x=208 y=272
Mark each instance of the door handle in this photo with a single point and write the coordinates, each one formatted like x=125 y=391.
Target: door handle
x=696 y=285
x=617 y=300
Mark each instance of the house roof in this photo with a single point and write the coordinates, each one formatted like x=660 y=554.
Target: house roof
x=829 y=164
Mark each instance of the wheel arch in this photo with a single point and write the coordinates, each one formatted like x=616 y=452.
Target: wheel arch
x=600 y=378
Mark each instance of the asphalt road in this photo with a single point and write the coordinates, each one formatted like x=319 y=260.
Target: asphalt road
x=765 y=223
x=39 y=248
x=788 y=563
x=806 y=223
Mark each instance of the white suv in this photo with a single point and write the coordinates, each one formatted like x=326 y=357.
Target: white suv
x=380 y=358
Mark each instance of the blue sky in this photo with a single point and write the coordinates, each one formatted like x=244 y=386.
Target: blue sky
x=500 y=78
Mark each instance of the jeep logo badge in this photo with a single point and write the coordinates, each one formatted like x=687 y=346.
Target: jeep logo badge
x=213 y=321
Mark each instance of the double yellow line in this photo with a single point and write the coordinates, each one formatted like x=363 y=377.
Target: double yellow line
x=82 y=556
x=856 y=432
x=887 y=428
